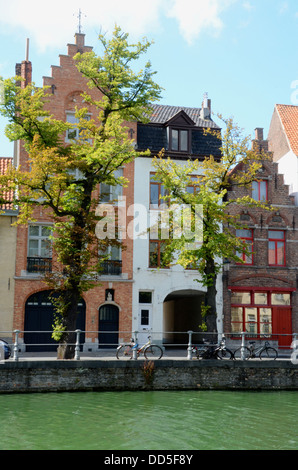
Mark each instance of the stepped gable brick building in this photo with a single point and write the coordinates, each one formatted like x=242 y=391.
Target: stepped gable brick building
x=260 y=295
x=104 y=308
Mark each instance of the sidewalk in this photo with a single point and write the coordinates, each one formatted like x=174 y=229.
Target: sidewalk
x=110 y=355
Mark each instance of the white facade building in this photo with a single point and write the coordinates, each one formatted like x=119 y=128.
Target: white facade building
x=283 y=142
x=166 y=301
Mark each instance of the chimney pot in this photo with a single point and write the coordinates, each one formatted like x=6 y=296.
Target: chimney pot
x=259 y=133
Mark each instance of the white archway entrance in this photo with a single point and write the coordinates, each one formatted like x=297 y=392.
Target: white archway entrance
x=181 y=313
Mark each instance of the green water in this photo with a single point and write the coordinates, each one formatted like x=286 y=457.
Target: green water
x=188 y=420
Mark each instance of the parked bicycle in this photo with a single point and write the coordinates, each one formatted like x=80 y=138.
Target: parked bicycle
x=150 y=351
x=262 y=352
x=5 y=351
x=213 y=351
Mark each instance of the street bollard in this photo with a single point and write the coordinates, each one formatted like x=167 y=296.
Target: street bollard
x=77 y=348
x=135 y=348
x=242 y=345
x=16 y=346
x=189 y=348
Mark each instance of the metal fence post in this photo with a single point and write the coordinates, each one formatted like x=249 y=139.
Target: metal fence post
x=16 y=346
x=242 y=345
x=189 y=348
x=135 y=348
x=77 y=348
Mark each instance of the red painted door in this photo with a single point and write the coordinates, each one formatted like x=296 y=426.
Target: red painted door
x=282 y=325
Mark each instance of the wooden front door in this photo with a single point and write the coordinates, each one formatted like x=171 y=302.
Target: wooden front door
x=282 y=325
x=108 y=326
x=39 y=319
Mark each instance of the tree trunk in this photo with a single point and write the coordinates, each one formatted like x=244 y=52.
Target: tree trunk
x=211 y=315
x=66 y=348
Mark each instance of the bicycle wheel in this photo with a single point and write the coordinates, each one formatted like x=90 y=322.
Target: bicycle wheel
x=238 y=353
x=153 y=352
x=124 y=352
x=268 y=353
x=224 y=354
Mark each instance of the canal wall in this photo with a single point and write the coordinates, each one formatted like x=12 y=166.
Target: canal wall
x=90 y=375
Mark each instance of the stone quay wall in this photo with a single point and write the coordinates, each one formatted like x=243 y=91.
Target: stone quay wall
x=113 y=375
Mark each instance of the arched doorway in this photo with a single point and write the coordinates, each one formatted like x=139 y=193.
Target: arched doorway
x=181 y=313
x=108 y=326
x=39 y=319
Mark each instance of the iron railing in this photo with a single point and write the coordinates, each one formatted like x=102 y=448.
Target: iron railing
x=111 y=267
x=184 y=347
x=39 y=265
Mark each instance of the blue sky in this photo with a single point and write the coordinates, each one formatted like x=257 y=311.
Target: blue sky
x=243 y=53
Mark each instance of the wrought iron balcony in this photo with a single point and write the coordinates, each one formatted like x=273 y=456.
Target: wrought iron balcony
x=111 y=267
x=39 y=265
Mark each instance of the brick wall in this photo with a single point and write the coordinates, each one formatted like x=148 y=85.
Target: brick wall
x=66 y=85
x=282 y=216
x=49 y=376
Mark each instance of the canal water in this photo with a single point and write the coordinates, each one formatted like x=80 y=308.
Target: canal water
x=186 y=420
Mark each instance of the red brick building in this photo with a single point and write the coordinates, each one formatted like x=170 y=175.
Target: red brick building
x=133 y=291
x=260 y=295
x=107 y=307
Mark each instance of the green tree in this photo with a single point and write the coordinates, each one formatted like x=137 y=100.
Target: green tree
x=63 y=178
x=238 y=166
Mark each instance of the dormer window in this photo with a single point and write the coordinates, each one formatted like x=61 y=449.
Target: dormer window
x=179 y=132
x=179 y=140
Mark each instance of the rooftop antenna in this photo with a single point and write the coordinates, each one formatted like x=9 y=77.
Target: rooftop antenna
x=79 y=16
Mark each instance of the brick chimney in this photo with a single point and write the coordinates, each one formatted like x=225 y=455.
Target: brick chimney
x=205 y=112
x=80 y=39
x=259 y=144
x=24 y=69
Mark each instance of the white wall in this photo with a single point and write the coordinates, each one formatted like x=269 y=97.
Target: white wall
x=160 y=282
x=288 y=166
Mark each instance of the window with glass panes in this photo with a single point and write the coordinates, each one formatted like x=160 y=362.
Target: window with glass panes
x=251 y=311
x=156 y=254
x=111 y=262
x=179 y=140
x=74 y=133
x=276 y=248
x=39 y=244
x=193 y=187
x=157 y=192
x=108 y=192
x=247 y=236
x=259 y=190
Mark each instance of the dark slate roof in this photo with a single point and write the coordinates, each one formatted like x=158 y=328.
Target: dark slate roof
x=154 y=134
x=163 y=113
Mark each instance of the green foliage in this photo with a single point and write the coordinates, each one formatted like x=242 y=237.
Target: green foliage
x=212 y=178
x=62 y=179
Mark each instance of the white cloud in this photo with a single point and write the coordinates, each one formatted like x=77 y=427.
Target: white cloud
x=199 y=16
x=54 y=23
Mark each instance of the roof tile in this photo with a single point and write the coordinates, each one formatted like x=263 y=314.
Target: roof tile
x=289 y=118
x=4 y=164
x=163 y=113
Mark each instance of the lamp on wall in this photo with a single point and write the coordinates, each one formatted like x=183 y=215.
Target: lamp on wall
x=226 y=264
